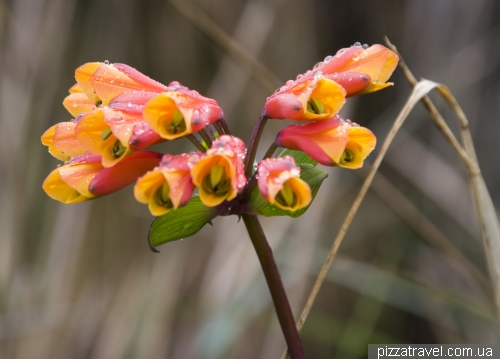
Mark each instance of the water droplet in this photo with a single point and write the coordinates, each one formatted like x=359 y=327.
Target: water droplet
x=365 y=46
x=318 y=65
x=318 y=75
x=106 y=62
x=328 y=59
x=289 y=82
x=357 y=44
x=299 y=76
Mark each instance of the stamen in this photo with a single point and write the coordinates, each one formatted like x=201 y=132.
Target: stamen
x=216 y=182
x=347 y=156
x=315 y=106
x=216 y=175
x=286 y=197
x=118 y=149
x=178 y=124
x=162 y=196
x=106 y=133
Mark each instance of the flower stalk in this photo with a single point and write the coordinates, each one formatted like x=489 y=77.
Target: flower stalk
x=254 y=143
x=273 y=278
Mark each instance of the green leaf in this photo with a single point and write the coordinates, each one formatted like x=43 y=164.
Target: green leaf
x=313 y=176
x=181 y=223
x=301 y=158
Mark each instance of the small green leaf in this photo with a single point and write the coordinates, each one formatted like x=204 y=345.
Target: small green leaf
x=313 y=176
x=301 y=158
x=181 y=223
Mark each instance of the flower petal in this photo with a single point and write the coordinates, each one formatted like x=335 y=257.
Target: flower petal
x=109 y=81
x=124 y=173
x=77 y=103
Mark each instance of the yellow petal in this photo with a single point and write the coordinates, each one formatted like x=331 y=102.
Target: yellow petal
x=75 y=89
x=364 y=138
x=375 y=86
x=301 y=191
x=77 y=102
x=331 y=94
x=47 y=138
x=82 y=76
x=61 y=191
x=203 y=168
x=159 y=113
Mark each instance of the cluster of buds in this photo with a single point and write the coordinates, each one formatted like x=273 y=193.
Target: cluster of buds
x=119 y=112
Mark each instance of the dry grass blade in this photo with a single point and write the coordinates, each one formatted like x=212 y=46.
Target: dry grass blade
x=419 y=91
x=261 y=74
x=490 y=228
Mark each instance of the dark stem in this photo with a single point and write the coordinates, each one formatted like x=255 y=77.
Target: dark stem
x=196 y=143
x=224 y=125
x=273 y=278
x=254 y=143
x=253 y=181
x=205 y=136
x=270 y=151
x=219 y=128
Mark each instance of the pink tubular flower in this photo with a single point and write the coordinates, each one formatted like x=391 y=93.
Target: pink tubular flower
x=280 y=184
x=180 y=112
x=360 y=70
x=168 y=186
x=102 y=82
x=84 y=177
x=323 y=141
x=311 y=97
x=333 y=142
x=220 y=175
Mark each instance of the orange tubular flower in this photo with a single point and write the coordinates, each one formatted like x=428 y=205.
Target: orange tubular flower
x=77 y=102
x=280 y=184
x=62 y=142
x=361 y=143
x=84 y=178
x=220 y=175
x=168 y=186
x=360 y=69
x=311 y=97
x=324 y=141
x=102 y=82
x=113 y=134
x=180 y=112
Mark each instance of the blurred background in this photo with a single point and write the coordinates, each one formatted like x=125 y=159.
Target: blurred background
x=79 y=281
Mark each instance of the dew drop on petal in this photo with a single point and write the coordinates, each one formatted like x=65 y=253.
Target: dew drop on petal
x=365 y=46
x=106 y=62
x=357 y=44
x=328 y=59
x=299 y=76
x=318 y=75
x=317 y=65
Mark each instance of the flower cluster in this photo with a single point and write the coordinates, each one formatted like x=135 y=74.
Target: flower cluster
x=119 y=112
